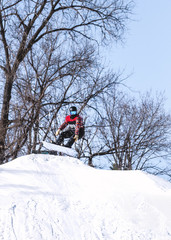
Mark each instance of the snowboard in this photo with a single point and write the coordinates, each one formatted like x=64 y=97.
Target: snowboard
x=45 y=152
x=60 y=149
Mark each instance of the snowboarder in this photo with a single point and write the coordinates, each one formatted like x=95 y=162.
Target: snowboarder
x=72 y=128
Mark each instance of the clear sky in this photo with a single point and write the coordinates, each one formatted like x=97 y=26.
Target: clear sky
x=146 y=52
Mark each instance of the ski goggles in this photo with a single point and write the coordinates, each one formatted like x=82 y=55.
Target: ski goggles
x=73 y=112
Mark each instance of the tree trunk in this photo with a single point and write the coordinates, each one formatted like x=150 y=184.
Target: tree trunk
x=4 y=115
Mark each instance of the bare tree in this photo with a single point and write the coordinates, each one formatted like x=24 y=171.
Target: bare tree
x=25 y=24
x=47 y=83
x=134 y=135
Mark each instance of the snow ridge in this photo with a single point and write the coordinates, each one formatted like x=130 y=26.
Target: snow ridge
x=50 y=197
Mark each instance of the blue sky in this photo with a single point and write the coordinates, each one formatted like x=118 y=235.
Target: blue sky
x=146 y=52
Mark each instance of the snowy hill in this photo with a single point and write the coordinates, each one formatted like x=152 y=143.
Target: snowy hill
x=59 y=198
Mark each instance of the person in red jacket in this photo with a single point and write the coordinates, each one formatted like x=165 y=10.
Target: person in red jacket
x=72 y=128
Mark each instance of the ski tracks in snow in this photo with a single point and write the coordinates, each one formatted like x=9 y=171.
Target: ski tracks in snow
x=52 y=198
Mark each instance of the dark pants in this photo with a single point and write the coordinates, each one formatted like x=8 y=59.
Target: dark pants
x=69 y=134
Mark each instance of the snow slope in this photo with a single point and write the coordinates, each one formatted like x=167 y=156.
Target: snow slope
x=49 y=197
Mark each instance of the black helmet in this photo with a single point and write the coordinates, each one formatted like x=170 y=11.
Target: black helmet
x=73 y=110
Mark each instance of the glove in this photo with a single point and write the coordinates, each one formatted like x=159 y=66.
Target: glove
x=57 y=132
x=76 y=137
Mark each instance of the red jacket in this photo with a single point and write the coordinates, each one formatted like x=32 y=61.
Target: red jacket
x=77 y=121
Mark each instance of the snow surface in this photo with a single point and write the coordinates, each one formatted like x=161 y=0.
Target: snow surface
x=50 y=197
